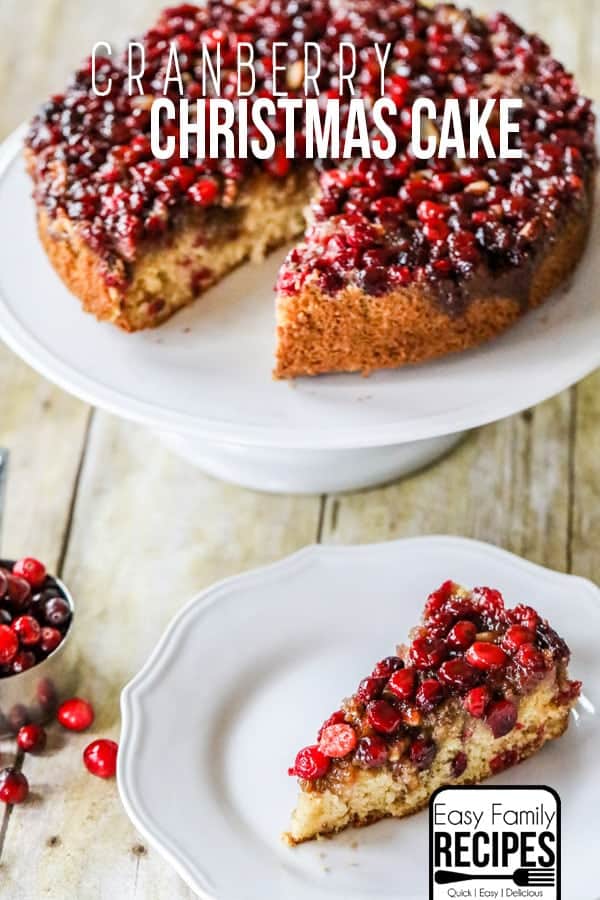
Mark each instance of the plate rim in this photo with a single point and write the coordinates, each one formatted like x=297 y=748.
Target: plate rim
x=397 y=431
x=130 y=701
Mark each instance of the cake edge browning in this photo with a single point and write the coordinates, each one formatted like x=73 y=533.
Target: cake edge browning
x=354 y=332
x=372 y=795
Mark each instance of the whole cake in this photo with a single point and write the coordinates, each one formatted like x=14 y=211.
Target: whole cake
x=402 y=260
x=479 y=688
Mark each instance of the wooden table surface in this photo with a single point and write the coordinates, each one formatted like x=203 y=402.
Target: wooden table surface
x=135 y=531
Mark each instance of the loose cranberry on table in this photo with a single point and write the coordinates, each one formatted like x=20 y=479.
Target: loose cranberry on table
x=100 y=758
x=14 y=787
x=31 y=738
x=75 y=714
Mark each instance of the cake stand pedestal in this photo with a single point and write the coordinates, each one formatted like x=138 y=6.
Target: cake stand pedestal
x=303 y=471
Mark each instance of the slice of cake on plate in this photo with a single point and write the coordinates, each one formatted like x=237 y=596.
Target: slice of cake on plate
x=478 y=689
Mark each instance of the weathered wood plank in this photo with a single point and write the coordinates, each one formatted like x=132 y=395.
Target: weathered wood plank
x=584 y=537
x=148 y=532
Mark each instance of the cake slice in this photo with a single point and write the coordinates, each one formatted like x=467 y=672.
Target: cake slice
x=479 y=688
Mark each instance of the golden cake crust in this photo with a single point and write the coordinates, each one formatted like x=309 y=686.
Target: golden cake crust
x=351 y=331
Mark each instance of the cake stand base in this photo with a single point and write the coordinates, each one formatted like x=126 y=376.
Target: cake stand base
x=308 y=471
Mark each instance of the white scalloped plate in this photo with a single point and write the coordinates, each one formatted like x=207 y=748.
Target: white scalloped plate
x=249 y=669
x=207 y=372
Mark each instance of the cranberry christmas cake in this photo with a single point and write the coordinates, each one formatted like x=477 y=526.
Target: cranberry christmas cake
x=402 y=260
x=479 y=688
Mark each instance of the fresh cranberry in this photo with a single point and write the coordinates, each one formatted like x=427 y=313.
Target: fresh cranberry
x=57 y=611
x=462 y=634
x=427 y=654
x=14 y=787
x=75 y=714
x=402 y=683
x=459 y=764
x=371 y=752
x=338 y=741
x=384 y=717
x=50 y=638
x=430 y=694
x=387 y=667
x=24 y=660
x=310 y=764
x=501 y=717
x=32 y=570
x=28 y=630
x=457 y=673
x=486 y=656
x=31 y=738
x=476 y=701
x=422 y=753
x=19 y=592
x=100 y=758
x=370 y=689
x=9 y=645
x=204 y=192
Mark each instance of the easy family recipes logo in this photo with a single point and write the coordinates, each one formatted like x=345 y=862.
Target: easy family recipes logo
x=495 y=843
x=233 y=118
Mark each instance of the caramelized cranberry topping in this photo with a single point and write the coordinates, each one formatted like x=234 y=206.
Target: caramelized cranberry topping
x=379 y=224
x=392 y=716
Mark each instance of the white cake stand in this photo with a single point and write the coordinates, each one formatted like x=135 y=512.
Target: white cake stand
x=203 y=384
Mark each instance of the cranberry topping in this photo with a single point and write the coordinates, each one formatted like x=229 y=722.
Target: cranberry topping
x=437 y=219
x=100 y=758
x=75 y=714
x=482 y=655
x=370 y=688
x=336 y=718
x=462 y=635
x=338 y=741
x=515 y=636
x=384 y=717
x=427 y=653
x=476 y=701
x=457 y=673
x=501 y=717
x=387 y=666
x=429 y=695
x=14 y=787
x=371 y=752
x=402 y=683
x=31 y=738
x=310 y=764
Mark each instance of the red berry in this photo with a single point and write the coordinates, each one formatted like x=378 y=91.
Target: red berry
x=19 y=592
x=488 y=600
x=422 y=753
x=427 y=653
x=462 y=634
x=501 y=717
x=310 y=764
x=371 y=752
x=336 y=718
x=75 y=714
x=9 y=645
x=457 y=673
x=338 y=741
x=32 y=570
x=204 y=192
x=14 y=787
x=438 y=598
x=530 y=659
x=459 y=764
x=486 y=656
x=50 y=638
x=279 y=164
x=402 y=683
x=27 y=629
x=515 y=636
x=57 y=611
x=100 y=758
x=525 y=616
x=370 y=688
x=384 y=717
x=22 y=661
x=387 y=667
x=31 y=738
x=429 y=694
x=476 y=701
